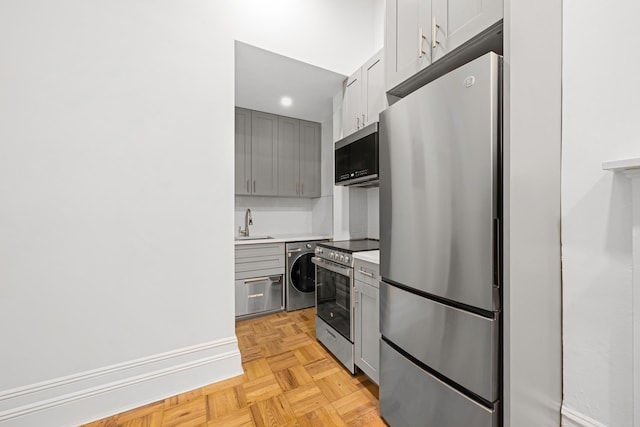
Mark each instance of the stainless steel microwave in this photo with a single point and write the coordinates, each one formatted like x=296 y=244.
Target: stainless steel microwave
x=356 y=158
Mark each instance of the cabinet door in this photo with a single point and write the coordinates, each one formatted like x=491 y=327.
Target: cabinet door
x=407 y=39
x=243 y=151
x=352 y=104
x=310 y=138
x=460 y=20
x=264 y=154
x=373 y=98
x=288 y=156
x=367 y=339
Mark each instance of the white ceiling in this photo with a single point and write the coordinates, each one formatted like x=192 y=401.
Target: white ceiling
x=262 y=78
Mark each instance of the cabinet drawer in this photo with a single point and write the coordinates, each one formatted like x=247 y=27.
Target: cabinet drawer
x=241 y=275
x=338 y=345
x=367 y=272
x=258 y=295
x=260 y=263
x=259 y=249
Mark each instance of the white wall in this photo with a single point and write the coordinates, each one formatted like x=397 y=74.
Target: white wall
x=116 y=221
x=373 y=211
x=334 y=34
x=275 y=215
x=600 y=123
x=322 y=216
x=531 y=226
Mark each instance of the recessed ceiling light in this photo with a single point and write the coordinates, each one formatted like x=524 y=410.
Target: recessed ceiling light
x=286 y=101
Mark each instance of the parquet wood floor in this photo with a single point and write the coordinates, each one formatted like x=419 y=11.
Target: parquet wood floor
x=289 y=380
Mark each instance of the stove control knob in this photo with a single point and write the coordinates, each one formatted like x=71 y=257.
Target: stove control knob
x=332 y=255
x=346 y=258
x=341 y=257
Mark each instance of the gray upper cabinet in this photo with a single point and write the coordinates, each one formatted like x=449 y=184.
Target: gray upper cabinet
x=420 y=32
x=373 y=99
x=407 y=39
x=264 y=154
x=299 y=169
x=289 y=160
x=352 y=104
x=363 y=98
x=458 y=21
x=309 y=159
x=243 y=151
x=276 y=155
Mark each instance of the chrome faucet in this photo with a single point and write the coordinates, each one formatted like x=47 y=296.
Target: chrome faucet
x=247 y=222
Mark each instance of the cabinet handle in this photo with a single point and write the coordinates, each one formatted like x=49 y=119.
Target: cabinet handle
x=254 y=185
x=248 y=187
x=366 y=273
x=297 y=188
x=421 y=38
x=434 y=33
x=257 y=279
x=363 y=121
x=330 y=334
x=357 y=122
x=302 y=188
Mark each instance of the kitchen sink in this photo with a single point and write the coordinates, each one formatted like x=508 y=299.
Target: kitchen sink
x=253 y=237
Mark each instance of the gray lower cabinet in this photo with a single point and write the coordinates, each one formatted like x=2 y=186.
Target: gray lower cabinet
x=367 y=318
x=259 y=278
x=420 y=32
x=259 y=294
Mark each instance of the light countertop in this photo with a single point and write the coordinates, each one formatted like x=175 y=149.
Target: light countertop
x=284 y=238
x=369 y=256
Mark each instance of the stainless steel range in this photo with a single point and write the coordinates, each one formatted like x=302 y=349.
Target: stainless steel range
x=335 y=296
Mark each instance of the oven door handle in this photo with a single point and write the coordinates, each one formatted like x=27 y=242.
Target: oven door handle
x=331 y=266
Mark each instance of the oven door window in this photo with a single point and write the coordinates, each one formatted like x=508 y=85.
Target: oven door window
x=333 y=300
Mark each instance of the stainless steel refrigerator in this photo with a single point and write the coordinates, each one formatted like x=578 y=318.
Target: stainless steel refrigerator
x=440 y=251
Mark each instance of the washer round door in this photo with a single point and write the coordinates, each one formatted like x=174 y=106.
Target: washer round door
x=303 y=274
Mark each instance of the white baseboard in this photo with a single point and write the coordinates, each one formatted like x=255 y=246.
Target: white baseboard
x=99 y=393
x=571 y=418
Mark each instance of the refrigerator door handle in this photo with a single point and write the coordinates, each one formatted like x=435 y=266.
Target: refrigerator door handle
x=496 y=252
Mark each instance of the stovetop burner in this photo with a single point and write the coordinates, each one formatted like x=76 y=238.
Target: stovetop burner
x=341 y=251
x=351 y=246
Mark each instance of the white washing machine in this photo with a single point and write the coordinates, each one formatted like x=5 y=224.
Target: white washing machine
x=301 y=275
